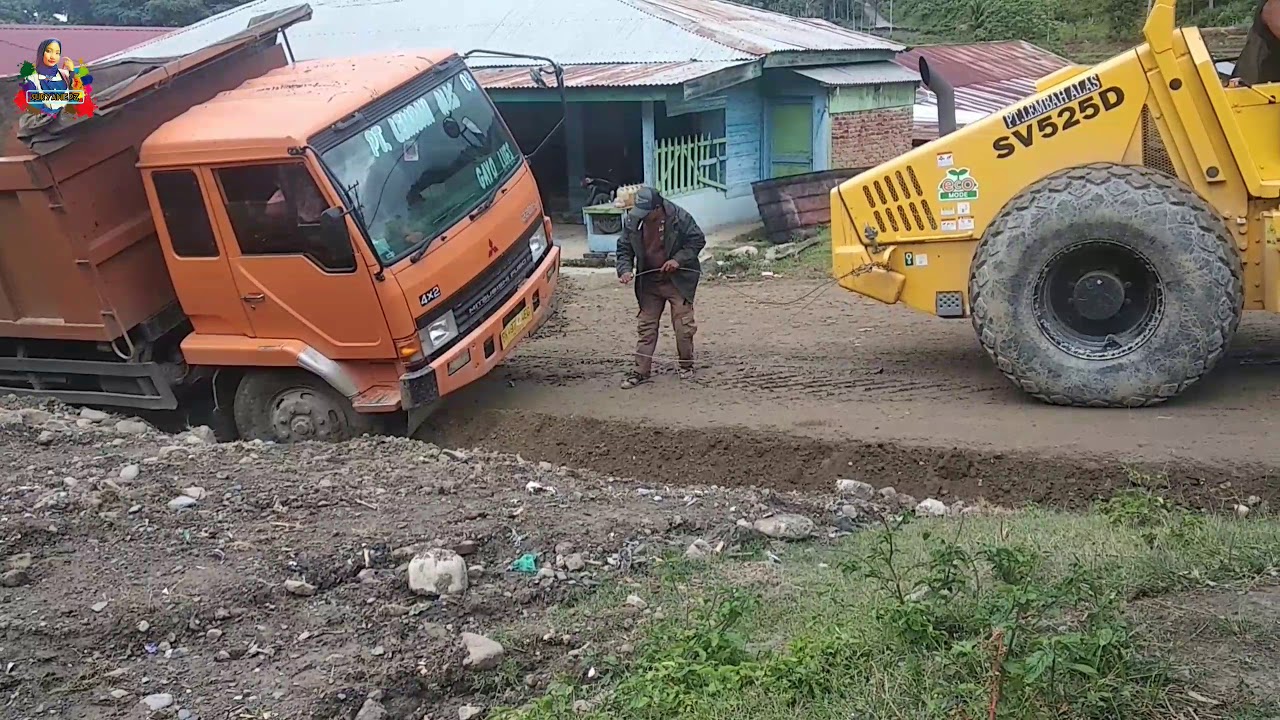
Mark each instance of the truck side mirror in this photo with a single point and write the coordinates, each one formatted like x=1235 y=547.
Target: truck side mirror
x=332 y=228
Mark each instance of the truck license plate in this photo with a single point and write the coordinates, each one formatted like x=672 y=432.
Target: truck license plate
x=514 y=327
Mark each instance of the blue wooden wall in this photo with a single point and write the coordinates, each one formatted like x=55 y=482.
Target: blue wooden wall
x=744 y=130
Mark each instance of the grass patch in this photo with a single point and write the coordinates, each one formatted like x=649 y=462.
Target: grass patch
x=926 y=619
x=812 y=262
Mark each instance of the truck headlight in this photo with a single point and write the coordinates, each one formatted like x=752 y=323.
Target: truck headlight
x=438 y=333
x=538 y=243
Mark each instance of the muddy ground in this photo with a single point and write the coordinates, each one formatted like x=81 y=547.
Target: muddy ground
x=799 y=385
x=116 y=589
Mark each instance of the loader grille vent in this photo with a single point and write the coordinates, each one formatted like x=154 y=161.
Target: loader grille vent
x=1154 y=153
x=898 y=203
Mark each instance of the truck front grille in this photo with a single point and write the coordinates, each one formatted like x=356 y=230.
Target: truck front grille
x=489 y=290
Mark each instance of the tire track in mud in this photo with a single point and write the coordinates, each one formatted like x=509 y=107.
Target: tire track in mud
x=812 y=379
x=733 y=456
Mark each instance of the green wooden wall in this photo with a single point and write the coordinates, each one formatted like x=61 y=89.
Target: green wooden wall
x=872 y=97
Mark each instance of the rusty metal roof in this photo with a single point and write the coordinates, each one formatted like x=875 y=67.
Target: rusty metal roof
x=18 y=43
x=572 y=32
x=985 y=62
x=987 y=77
x=606 y=75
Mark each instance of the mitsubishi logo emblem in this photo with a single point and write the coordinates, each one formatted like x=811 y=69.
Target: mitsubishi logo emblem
x=493 y=249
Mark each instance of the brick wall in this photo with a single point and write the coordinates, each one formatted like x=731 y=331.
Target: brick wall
x=869 y=137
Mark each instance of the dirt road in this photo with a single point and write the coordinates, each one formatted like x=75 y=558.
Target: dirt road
x=797 y=393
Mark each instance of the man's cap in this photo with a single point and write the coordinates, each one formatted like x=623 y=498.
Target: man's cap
x=646 y=202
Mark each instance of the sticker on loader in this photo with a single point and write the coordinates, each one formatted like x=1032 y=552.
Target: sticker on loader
x=1043 y=106
x=957 y=185
x=914 y=259
x=1065 y=118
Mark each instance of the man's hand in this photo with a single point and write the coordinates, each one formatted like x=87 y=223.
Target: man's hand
x=670 y=266
x=625 y=278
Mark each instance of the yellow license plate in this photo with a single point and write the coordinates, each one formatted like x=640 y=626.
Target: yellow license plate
x=514 y=327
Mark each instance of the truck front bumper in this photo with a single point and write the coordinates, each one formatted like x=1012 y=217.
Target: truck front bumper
x=479 y=352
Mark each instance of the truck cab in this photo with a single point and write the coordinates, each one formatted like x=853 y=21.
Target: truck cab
x=367 y=222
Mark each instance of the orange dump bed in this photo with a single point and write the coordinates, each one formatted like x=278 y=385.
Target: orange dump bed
x=79 y=256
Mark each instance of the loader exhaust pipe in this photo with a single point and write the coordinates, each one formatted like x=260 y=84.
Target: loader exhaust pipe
x=946 y=98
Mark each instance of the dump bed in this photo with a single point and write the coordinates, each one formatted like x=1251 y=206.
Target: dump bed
x=79 y=256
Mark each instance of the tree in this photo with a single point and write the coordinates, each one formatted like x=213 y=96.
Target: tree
x=1124 y=17
x=18 y=11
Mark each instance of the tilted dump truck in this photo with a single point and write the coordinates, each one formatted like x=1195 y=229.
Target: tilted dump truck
x=312 y=248
x=1103 y=236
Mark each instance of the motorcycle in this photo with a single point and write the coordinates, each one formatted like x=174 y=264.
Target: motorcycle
x=599 y=190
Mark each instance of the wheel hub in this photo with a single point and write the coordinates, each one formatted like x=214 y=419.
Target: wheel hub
x=1098 y=299
x=299 y=414
x=1098 y=295
x=302 y=426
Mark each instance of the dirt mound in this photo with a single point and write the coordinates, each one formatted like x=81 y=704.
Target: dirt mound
x=735 y=456
x=233 y=580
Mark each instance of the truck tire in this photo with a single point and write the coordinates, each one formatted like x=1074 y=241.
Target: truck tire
x=1106 y=286
x=288 y=406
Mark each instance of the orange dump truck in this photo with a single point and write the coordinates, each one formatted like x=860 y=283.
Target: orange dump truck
x=307 y=248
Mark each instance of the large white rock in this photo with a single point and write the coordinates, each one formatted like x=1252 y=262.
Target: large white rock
x=931 y=508
x=482 y=653
x=855 y=489
x=438 y=572
x=786 y=527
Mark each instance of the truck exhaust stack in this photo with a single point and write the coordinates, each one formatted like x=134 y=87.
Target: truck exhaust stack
x=946 y=98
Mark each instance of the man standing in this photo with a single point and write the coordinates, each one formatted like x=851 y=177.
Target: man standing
x=659 y=249
x=1259 y=60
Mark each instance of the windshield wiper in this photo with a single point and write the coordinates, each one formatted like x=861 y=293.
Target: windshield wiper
x=484 y=205
x=423 y=245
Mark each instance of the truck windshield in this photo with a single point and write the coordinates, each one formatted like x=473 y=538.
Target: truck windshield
x=426 y=166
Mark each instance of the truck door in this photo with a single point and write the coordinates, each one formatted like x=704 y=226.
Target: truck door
x=197 y=262
x=293 y=284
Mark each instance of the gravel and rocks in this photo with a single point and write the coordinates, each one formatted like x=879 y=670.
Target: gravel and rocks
x=365 y=579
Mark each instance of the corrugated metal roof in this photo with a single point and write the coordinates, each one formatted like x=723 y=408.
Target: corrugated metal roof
x=18 y=43
x=985 y=62
x=860 y=74
x=607 y=75
x=760 y=31
x=987 y=77
x=572 y=32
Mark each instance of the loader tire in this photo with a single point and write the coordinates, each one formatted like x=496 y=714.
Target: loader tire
x=288 y=406
x=1106 y=286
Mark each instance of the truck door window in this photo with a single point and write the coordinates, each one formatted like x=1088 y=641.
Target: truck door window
x=186 y=219
x=275 y=210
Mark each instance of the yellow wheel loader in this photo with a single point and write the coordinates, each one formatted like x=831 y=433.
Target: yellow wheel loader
x=1103 y=236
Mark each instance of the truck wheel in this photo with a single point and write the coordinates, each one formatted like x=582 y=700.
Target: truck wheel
x=289 y=406
x=1106 y=286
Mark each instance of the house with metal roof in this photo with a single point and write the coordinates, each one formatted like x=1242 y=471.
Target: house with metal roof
x=987 y=77
x=699 y=98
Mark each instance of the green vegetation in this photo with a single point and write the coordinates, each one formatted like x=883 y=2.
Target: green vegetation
x=1031 y=612
x=159 y=13
x=1070 y=27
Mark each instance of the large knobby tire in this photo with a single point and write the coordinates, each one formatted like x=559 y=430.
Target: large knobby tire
x=1089 y=241
x=288 y=406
